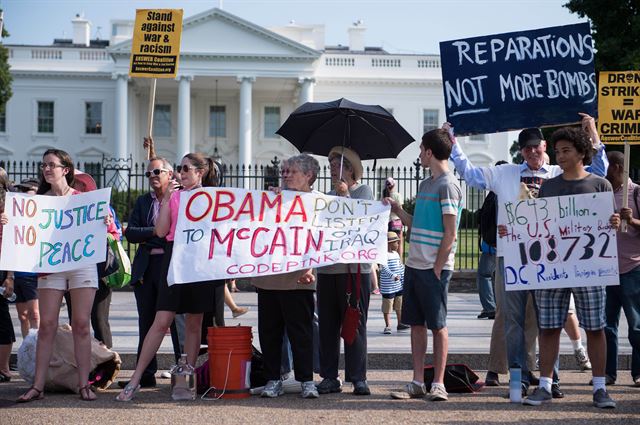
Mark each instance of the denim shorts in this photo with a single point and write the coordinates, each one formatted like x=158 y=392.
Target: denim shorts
x=553 y=307
x=425 y=298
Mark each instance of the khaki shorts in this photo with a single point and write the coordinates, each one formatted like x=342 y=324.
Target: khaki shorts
x=86 y=277
x=392 y=304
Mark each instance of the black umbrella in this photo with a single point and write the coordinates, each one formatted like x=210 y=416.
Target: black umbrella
x=370 y=130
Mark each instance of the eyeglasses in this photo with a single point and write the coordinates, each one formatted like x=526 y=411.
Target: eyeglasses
x=51 y=165
x=185 y=168
x=155 y=172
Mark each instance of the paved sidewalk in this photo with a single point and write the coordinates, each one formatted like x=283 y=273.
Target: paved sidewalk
x=154 y=406
x=468 y=336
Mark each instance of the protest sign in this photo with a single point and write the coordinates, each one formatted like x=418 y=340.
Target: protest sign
x=156 y=43
x=519 y=79
x=50 y=234
x=225 y=233
x=560 y=242
x=619 y=107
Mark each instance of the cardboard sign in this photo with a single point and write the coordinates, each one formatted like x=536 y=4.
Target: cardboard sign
x=520 y=79
x=156 y=43
x=560 y=242
x=50 y=234
x=619 y=107
x=225 y=233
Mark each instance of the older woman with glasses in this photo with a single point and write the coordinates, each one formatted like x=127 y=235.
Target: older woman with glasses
x=285 y=302
x=346 y=171
x=194 y=299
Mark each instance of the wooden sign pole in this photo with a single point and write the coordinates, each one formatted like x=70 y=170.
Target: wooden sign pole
x=625 y=182
x=152 y=103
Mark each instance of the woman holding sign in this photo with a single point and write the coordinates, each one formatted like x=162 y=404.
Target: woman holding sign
x=56 y=179
x=346 y=171
x=194 y=299
x=285 y=302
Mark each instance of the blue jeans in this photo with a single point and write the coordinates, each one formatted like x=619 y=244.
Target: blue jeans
x=486 y=267
x=627 y=297
x=515 y=309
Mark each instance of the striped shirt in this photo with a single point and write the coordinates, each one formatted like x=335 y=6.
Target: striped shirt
x=436 y=197
x=388 y=273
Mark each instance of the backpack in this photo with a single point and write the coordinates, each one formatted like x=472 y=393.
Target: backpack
x=488 y=219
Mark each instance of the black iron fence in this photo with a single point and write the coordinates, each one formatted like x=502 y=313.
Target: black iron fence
x=127 y=181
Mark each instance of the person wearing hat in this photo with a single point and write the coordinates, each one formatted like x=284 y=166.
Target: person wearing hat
x=509 y=326
x=346 y=171
x=391 y=283
x=395 y=224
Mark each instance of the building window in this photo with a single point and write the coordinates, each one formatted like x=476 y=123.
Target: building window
x=45 y=117
x=93 y=118
x=217 y=121
x=271 y=121
x=429 y=119
x=162 y=121
x=3 y=120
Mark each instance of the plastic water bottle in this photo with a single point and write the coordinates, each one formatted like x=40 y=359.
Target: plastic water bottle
x=183 y=380
x=515 y=384
x=11 y=299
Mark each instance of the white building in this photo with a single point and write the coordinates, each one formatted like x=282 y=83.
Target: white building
x=237 y=83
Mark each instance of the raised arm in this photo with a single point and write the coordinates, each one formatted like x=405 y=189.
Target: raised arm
x=478 y=177
x=599 y=163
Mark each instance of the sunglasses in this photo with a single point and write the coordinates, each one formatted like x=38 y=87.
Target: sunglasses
x=185 y=168
x=155 y=172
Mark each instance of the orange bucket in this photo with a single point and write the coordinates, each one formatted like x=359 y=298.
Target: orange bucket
x=229 y=361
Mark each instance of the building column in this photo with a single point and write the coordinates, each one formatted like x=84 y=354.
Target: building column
x=244 y=142
x=122 y=88
x=306 y=90
x=184 y=116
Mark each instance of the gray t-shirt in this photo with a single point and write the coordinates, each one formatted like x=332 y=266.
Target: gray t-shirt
x=358 y=191
x=558 y=186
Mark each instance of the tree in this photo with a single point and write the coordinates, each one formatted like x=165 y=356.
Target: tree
x=5 y=75
x=615 y=26
x=514 y=151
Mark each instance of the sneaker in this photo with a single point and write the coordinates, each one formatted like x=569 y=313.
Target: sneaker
x=411 y=390
x=309 y=390
x=239 y=312
x=361 y=388
x=602 y=400
x=387 y=331
x=329 y=385
x=492 y=379
x=273 y=389
x=582 y=359
x=402 y=327
x=556 y=392
x=438 y=393
x=491 y=315
x=165 y=375
x=636 y=381
x=539 y=396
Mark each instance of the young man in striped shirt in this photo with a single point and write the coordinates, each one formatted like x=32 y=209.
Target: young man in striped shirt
x=430 y=263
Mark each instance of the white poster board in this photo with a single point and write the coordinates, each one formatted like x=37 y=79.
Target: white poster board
x=50 y=234
x=560 y=242
x=226 y=233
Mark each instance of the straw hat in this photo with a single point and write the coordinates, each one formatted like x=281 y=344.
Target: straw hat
x=351 y=156
x=392 y=237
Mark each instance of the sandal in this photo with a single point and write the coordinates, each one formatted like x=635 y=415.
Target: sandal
x=86 y=392
x=38 y=396
x=127 y=393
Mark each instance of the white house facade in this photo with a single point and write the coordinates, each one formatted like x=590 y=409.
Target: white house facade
x=237 y=82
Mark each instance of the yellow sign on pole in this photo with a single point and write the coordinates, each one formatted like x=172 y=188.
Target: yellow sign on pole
x=156 y=43
x=619 y=107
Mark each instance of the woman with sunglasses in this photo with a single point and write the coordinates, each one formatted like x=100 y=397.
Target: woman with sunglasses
x=56 y=179
x=194 y=299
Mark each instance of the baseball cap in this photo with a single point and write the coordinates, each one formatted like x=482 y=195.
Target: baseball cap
x=530 y=137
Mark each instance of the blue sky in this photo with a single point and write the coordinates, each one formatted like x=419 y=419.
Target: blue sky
x=402 y=26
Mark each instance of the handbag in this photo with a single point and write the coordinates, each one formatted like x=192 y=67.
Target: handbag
x=110 y=265
x=122 y=276
x=352 y=314
x=458 y=378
